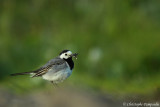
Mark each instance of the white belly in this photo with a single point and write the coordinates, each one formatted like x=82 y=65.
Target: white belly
x=58 y=76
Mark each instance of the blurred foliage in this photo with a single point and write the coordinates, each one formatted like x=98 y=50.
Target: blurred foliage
x=117 y=41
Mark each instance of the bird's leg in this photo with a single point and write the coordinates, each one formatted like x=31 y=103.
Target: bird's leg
x=54 y=84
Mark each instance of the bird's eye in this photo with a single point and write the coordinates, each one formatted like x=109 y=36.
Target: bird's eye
x=65 y=54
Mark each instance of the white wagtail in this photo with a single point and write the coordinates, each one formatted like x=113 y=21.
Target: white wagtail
x=56 y=70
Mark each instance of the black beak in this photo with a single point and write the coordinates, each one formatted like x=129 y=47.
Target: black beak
x=75 y=55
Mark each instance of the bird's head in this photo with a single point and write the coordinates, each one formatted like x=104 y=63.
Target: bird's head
x=66 y=54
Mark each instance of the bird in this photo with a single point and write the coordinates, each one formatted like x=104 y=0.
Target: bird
x=55 y=70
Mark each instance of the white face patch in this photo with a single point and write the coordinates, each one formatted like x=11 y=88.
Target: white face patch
x=66 y=55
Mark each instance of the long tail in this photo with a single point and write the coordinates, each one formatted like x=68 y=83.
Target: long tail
x=23 y=73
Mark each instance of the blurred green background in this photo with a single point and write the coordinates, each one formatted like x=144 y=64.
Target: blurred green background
x=118 y=43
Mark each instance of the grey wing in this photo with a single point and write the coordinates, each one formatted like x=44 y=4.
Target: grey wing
x=55 y=64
